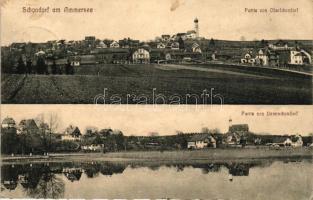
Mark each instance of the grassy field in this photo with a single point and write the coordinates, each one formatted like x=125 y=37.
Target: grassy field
x=209 y=155
x=238 y=85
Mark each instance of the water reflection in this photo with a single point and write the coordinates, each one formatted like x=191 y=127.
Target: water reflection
x=47 y=180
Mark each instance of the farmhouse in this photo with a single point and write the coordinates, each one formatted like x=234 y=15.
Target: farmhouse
x=114 y=44
x=174 y=46
x=196 y=48
x=141 y=56
x=161 y=45
x=93 y=147
x=262 y=57
x=27 y=125
x=165 y=38
x=248 y=58
x=200 y=141
x=237 y=134
x=71 y=133
x=296 y=141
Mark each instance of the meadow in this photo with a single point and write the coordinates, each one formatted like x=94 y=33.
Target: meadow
x=182 y=156
x=237 y=85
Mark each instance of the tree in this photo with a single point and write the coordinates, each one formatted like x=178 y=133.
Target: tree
x=53 y=122
x=54 y=69
x=69 y=69
x=9 y=141
x=29 y=67
x=21 y=68
x=181 y=43
x=212 y=43
x=41 y=67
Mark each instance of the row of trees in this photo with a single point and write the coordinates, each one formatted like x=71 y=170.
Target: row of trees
x=20 y=67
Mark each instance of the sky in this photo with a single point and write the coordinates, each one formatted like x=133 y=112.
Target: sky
x=166 y=120
x=144 y=20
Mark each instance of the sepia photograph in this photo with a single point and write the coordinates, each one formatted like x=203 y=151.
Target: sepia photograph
x=70 y=151
x=156 y=99
x=156 y=52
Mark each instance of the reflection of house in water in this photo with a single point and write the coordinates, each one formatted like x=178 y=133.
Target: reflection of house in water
x=210 y=167
x=9 y=177
x=72 y=174
x=109 y=169
x=238 y=169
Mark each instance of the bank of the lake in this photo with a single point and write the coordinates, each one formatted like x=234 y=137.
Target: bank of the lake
x=170 y=156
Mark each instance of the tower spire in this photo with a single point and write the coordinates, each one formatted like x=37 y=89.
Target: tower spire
x=196 y=22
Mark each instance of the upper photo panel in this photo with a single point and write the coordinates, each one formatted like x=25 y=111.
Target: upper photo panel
x=157 y=52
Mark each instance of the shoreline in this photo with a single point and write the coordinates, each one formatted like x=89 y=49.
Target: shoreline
x=208 y=155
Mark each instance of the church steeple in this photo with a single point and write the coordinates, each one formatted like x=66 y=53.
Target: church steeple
x=196 y=21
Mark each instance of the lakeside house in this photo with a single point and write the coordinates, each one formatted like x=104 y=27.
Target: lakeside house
x=287 y=141
x=27 y=125
x=237 y=134
x=71 y=133
x=201 y=140
x=93 y=147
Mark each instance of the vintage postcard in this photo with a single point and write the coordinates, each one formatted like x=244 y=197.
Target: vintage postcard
x=156 y=52
x=92 y=152
x=156 y=99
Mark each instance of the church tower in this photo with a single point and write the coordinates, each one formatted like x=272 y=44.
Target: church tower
x=196 y=21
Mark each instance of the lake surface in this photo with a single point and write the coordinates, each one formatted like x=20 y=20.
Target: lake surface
x=258 y=179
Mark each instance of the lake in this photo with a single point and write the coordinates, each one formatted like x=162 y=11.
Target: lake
x=256 y=179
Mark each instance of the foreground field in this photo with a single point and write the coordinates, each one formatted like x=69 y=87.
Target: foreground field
x=237 y=85
x=212 y=155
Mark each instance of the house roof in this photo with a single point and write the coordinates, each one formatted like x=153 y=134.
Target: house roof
x=28 y=124
x=239 y=127
x=279 y=139
x=199 y=137
x=191 y=31
x=72 y=129
x=8 y=120
x=110 y=50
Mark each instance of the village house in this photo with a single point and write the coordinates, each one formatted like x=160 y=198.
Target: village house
x=297 y=141
x=174 y=46
x=111 y=55
x=114 y=44
x=8 y=122
x=237 y=134
x=101 y=45
x=248 y=58
x=93 y=147
x=200 y=141
x=71 y=133
x=286 y=141
x=165 y=38
x=262 y=57
x=141 y=56
x=27 y=126
x=161 y=45
x=196 y=48
x=192 y=34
